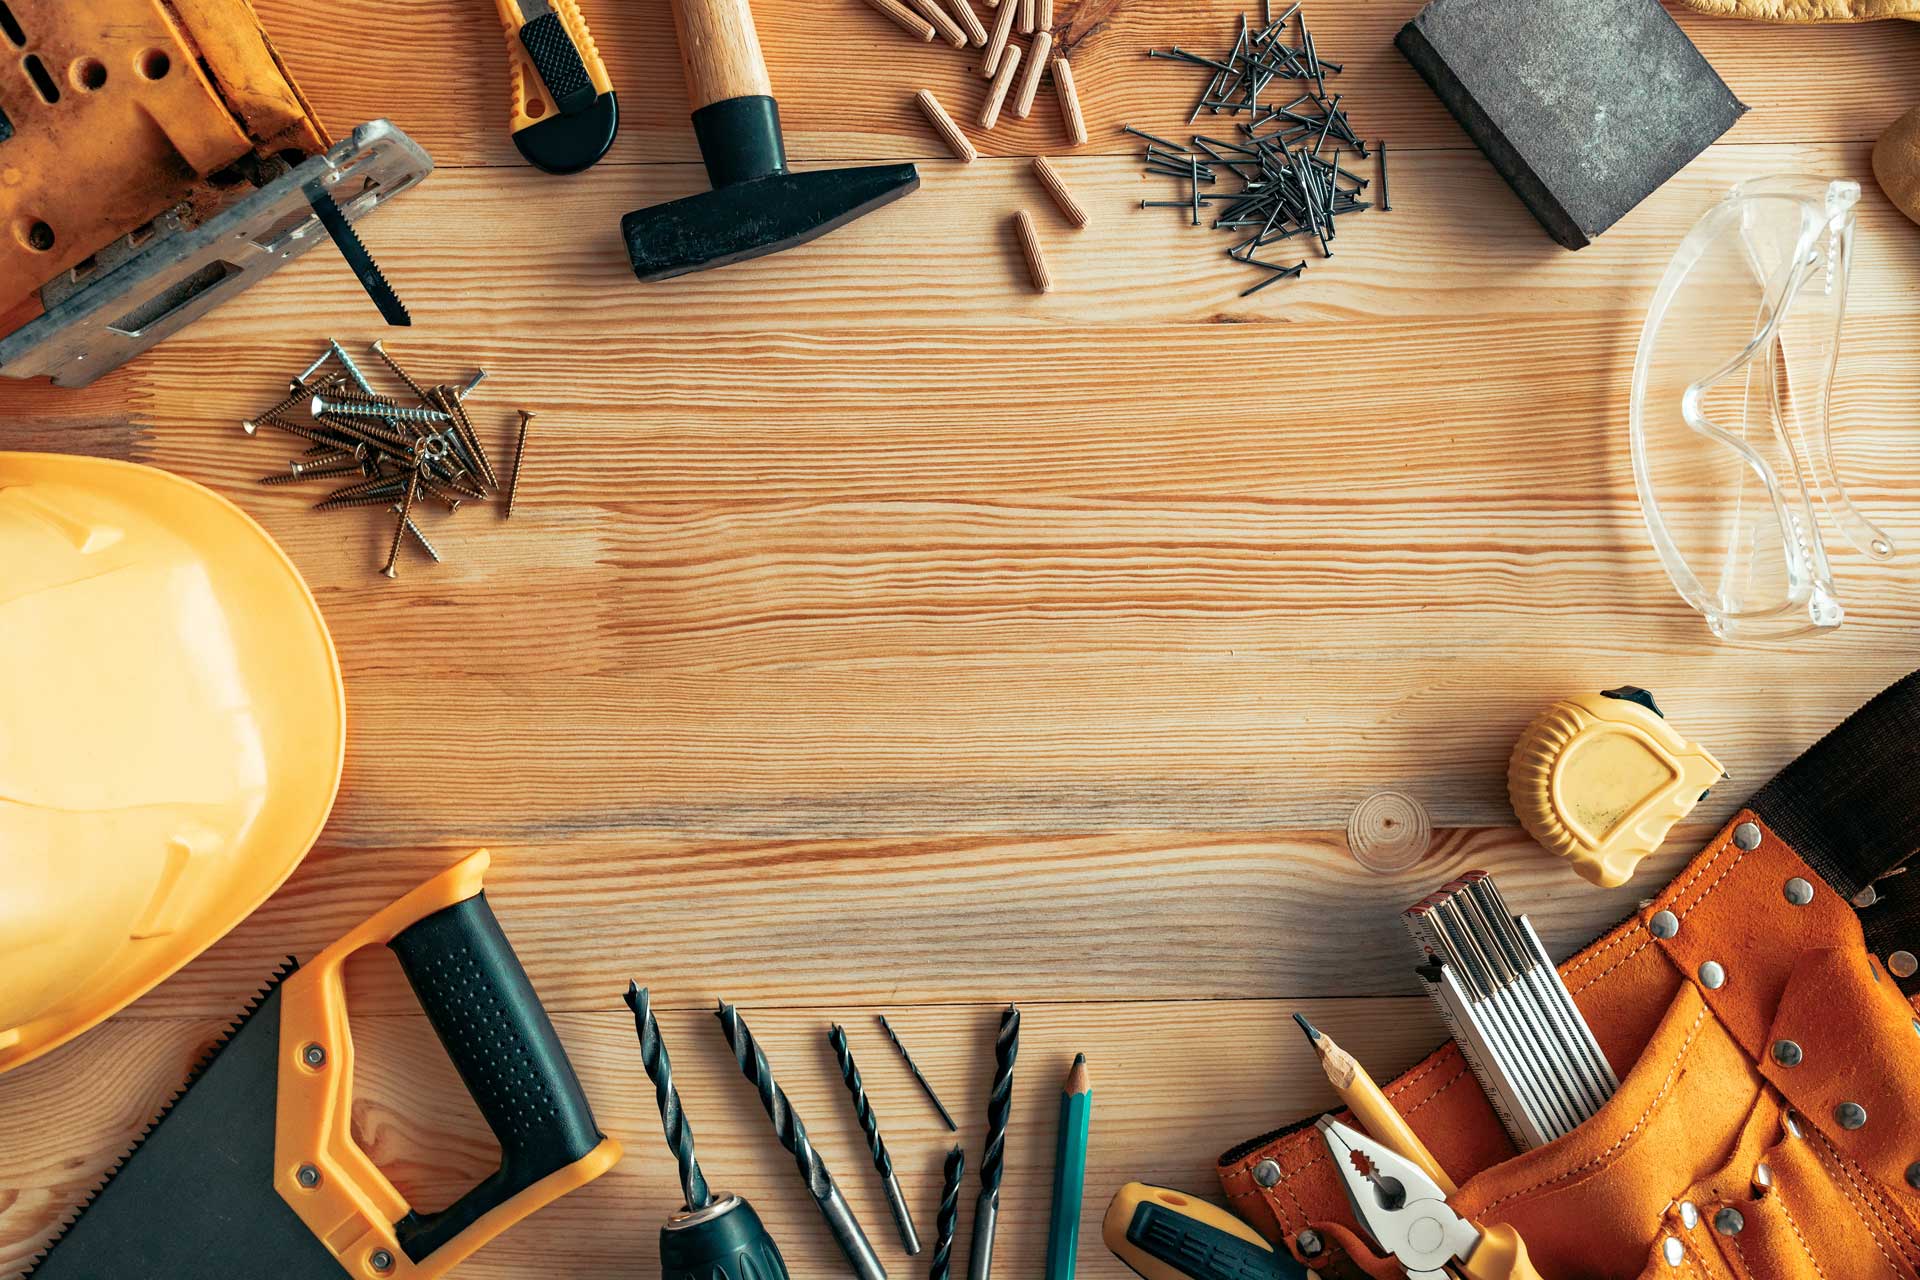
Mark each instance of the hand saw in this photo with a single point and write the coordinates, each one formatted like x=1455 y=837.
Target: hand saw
x=253 y=1170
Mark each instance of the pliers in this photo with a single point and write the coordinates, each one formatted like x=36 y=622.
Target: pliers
x=1408 y=1216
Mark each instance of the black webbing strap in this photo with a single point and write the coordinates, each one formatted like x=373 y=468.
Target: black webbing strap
x=1850 y=806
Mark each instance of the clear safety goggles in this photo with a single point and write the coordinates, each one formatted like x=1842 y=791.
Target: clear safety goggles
x=1731 y=393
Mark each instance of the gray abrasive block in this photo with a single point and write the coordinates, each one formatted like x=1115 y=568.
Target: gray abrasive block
x=1584 y=106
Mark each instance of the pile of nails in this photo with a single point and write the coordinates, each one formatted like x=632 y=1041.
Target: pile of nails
x=399 y=455
x=1289 y=186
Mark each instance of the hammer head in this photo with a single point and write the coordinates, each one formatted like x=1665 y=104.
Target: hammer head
x=751 y=219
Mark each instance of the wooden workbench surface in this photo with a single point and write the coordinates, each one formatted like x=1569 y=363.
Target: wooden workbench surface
x=875 y=635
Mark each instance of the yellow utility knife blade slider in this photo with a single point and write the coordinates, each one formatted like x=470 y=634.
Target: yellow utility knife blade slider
x=564 y=113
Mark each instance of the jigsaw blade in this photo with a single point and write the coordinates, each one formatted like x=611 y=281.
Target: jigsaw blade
x=365 y=269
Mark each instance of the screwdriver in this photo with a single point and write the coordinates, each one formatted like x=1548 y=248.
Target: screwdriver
x=564 y=112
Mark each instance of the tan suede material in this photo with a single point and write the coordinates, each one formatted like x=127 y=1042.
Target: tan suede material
x=1702 y=1102
x=1809 y=10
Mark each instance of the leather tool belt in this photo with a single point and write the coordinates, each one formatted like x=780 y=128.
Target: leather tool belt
x=1768 y=1121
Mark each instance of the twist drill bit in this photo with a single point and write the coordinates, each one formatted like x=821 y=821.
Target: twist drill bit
x=914 y=1068
x=793 y=1136
x=653 y=1056
x=870 y=1126
x=949 y=1216
x=986 y=1210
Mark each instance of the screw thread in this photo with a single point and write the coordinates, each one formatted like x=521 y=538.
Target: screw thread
x=787 y=1126
x=659 y=1067
x=1006 y=1047
x=519 y=456
x=947 y=1221
x=862 y=1107
x=392 y=569
x=374 y=407
x=406 y=379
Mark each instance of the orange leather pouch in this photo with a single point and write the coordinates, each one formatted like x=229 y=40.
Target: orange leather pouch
x=1767 y=1125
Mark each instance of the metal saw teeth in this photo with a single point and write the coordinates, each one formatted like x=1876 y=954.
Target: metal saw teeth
x=199 y=1068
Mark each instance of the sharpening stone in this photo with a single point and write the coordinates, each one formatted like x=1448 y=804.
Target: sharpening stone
x=1584 y=106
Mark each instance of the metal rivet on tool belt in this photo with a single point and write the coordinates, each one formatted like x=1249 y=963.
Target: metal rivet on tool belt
x=307 y=1176
x=1866 y=897
x=1309 y=1243
x=1266 y=1173
x=1787 y=1053
x=1664 y=924
x=314 y=1056
x=1913 y=1175
x=1712 y=976
x=1728 y=1221
x=380 y=1260
x=1851 y=1115
x=1901 y=964
x=1689 y=1216
x=1799 y=892
x=1673 y=1251
x=1747 y=836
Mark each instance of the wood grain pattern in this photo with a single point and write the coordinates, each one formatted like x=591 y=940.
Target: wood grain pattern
x=873 y=634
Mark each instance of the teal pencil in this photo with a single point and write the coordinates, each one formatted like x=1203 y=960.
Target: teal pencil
x=1069 y=1167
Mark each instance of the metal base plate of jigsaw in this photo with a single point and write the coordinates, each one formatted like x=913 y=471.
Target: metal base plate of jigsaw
x=142 y=291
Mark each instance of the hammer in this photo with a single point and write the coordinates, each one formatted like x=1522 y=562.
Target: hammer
x=757 y=206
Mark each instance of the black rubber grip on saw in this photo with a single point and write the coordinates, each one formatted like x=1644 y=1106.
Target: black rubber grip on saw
x=500 y=1040
x=558 y=61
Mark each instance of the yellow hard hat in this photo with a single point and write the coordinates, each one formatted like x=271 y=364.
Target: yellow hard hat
x=172 y=725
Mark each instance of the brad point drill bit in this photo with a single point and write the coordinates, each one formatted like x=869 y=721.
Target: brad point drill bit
x=870 y=1126
x=914 y=1068
x=653 y=1056
x=793 y=1136
x=986 y=1210
x=948 y=1219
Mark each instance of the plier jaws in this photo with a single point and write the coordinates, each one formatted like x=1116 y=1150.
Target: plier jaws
x=1408 y=1217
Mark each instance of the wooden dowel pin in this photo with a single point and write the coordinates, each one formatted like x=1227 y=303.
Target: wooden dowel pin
x=1002 y=81
x=1026 y=17
x=943 y=124
x=1030 y=247
x=907 y=19
x=997 y=42
x=1036 y=62
x=1057 y=188
x=1069 y=102
x=976 y=30
x=942 y=21
x=1043 y=14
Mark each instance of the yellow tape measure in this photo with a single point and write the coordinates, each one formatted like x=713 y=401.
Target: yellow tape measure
x=1600 y=779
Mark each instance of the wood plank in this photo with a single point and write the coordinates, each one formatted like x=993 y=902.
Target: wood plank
x=845 y=77
x=1174 y=1084
x=789 y=922
x=1457 y=249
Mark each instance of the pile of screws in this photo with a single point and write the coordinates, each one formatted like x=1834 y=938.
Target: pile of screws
x=1287 y=188
x=400 y=454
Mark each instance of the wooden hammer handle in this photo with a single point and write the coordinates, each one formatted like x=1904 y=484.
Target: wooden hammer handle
x=720 y=51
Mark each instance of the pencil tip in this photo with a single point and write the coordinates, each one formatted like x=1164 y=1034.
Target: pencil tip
x=1313 y=1033
x=1079 y=1059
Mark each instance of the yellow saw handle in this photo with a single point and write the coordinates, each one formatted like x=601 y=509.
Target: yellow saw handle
x=499 y=1038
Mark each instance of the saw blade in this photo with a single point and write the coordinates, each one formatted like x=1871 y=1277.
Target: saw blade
x=365 y=269
x=194 y=1196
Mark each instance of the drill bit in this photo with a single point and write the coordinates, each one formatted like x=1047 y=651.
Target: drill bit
x=986 y=1210
x=653 y=1056
x=793 y=1136
x=870 y=1126
x=914 y=1068
x=949 y=1216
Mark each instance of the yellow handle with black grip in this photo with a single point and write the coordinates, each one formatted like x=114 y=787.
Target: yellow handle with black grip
x=561 y=104
x=500 y=1040
x=1168 y=1235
